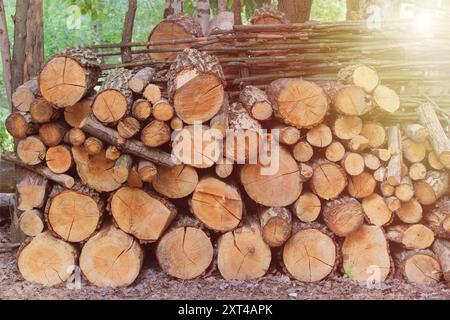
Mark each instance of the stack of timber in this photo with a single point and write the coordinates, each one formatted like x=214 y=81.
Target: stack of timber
x=133 y=162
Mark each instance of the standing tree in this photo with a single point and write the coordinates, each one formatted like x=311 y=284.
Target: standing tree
x=127 y=34
x=297 y=11
x=5 y=51
x=172 y=7
x=203 y=13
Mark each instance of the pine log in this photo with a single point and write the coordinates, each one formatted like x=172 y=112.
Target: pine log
x=416 y=132
x=141 y=109
x=375 y=133
x=46 y=260
x=59 y=159
x=95 y=170
x=297 y=102
x=112 y=153
x=376 y=211
x=419 y=266
x=287 y=135
x=31 y=150
x=386 y=189
x=362 y=76
x=19 y=125
x=68 y=76
x=243 y=254
x=343 y=216
x=120 y=255
x=128 y=127
x=75 y=137
x=141 y=213
x=362 y=185
x=319 y=136
x=434 y=186
x=410 y=211
x=276 y=225
x=31 y=222
x=366 y=255
x=224 y=168
x=411 y=236
x=74 y=215
x=185 y=251
x=307 y=207
x=438 y=138
x=311 y=254
x=335 y=152
x=438 y=219
x=352 y=101
x=155 y=134
x=42 y=111
x=347 y=127
x=177 y=26
x=177 y=124
x=93 y=146
x=405 y=190
x=217 y=204
x=279 y=187
x=434 y=162
x=152 y=93
x=412 y=151
x=442 y=250
x=24 y=95
x=256 y=102
x=74 y=115
x=303 y=152
x=147 y=171
x=163 y=110
x=141 y=79
x=417 y=171
x=52 y=134
x=114 y=99
x=122 y=167
x=371 y=161
x=329 y=180
x=176 y=182
x=196 y=86
x=353 y=163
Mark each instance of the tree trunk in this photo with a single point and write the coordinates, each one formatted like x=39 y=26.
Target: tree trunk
x=34 y=48
x=20 y=43
x=237 y=12
x=297 y=11
x=172 y=7
x=203 y=13
x=6 y=53
x=127 y=33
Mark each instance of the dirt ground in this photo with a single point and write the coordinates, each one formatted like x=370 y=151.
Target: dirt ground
x=154 y=284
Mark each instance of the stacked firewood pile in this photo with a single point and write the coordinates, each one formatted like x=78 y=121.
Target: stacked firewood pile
x=108 y=172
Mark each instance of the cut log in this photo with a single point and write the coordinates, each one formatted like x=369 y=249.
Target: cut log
x=155 y=134
x=256 y=102
x=366 y=255
x=438 y=219
x=42 y=111
x=380 y=175
x=375 y=133
x=224 y=168
x=410 y=211
x=147 y=171
x=328 y=181
x=177 y=26
x=358 y=144
x=287 y=135
x=371 y=161
x=267 y=15
x=411 y=236
x=353 y=163
x=434 y=162
x=386 y=189
x=376 y=211
x=310 y=255
x=31 y=150
x=297 y=102
x=69 y=76
x=185 y=251
x=303 y=152
x=25 y=95
x=196 y=86
x=141 y=109
x=177 y=124
x=52 y=134
x=93 y=146
x=133 y=147
x=74 y=215
x=352 y=101
x=243 y=254
x=276 y=225
x=413 y=151
x=95 y=171
x=152 y=93
x=197 y=146
x=278 y=184
x=62 y=179
x=223 y=21
x=306 y=171
x=382 y=154
x=59 y=159
x=114 y=99
x=362 y=76
x=405 y=190
x=416 y=132
x=343 y=216
x=393 y=203
x=307 y=207
x=417 y=171
x=141 y=79
x=217 y=204
x=31 y=222
x=134 y=180
x=362 y=185
x=335 y=152
x=419 y=266
x=128 y=127
x=75 y=137
x=434 y=186
x=177 y=182
x=112 y=153
x=162 y=110
x=19 y=125
x=141 y=214
x=74 y=115
x=122 y=168
x=442 y=250
x=438 y=138
x=46 y=260
x=394 y=168
x=319 y=136
x=111 y=258
x=386 y=99
x=347 y=127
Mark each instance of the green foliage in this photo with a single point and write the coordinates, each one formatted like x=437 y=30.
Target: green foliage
x=6 y=141
x=328 y=10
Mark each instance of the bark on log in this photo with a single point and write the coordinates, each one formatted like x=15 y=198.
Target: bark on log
x=276 y=225
x=442 y=250
x=256 y=102
x=24 y=95
x=343 y=216
x=419 y=267
x=435 y=185
x=438 y=219
x=415 y=236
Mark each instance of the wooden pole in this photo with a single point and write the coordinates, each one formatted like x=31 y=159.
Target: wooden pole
x=6 y=52
x=127 y=34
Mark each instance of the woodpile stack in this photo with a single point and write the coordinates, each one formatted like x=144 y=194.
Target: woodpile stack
x=115 y=167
